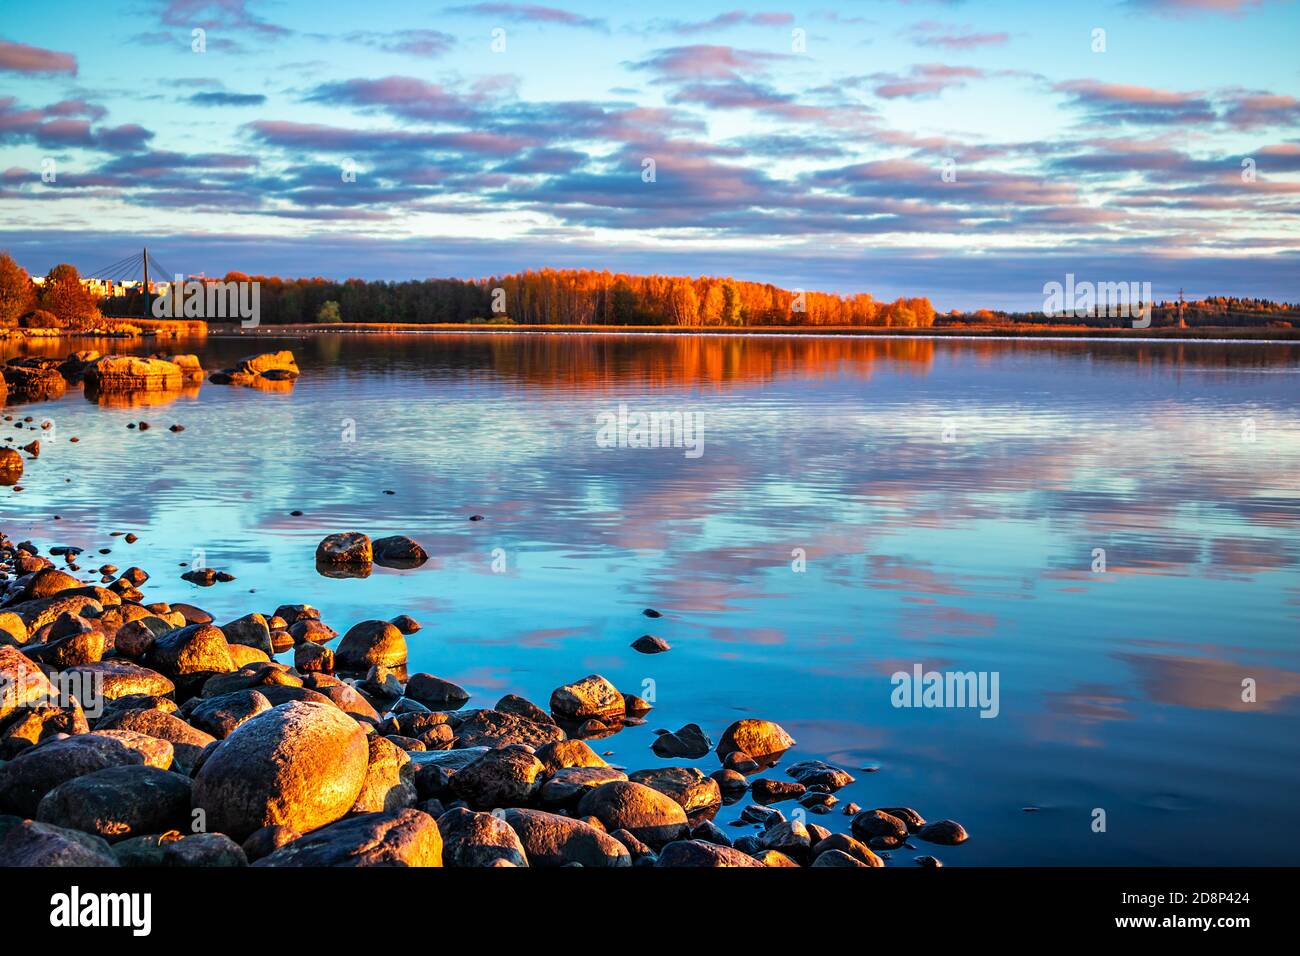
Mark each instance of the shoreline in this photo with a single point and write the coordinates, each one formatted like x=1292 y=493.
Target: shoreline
x=1207 y=334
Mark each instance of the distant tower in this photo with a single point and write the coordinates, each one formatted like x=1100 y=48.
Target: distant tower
x=144 y=258
x=1182 y=305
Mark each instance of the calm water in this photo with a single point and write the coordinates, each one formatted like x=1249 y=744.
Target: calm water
x=1119 y=690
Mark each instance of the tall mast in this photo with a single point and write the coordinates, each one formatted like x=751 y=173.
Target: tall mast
x=145 y=259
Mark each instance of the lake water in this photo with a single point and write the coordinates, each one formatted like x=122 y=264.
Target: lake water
x=861 y=506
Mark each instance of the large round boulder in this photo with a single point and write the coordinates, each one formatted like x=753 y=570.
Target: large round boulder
x=300 y=765
x=650 y=816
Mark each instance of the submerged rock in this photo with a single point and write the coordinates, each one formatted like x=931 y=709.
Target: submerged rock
x=944 y=832
x=689 y=743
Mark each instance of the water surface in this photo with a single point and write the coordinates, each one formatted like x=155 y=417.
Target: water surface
x=948 y=499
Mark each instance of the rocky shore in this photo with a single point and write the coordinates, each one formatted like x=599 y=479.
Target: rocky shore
x=136 y=731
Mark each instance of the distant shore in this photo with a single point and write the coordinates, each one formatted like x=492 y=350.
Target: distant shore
x=128 y=328
x=1243 y=333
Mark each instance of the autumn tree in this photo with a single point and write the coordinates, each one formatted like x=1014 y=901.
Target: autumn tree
x=64 y=296
x=16 y=293
x=329 y=313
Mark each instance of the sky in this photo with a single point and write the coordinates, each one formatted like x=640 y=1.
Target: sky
x=968 y=151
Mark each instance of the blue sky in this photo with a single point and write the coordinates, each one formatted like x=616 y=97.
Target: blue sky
x=967 y=151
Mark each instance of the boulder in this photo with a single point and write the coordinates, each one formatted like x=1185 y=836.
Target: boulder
x=436 y=693
x=842 y=843
x=593 y=696
x=478 y=839
x=702 y=854
x=943 y=832
x=774 y=791
x=569 y=753
x=33 y=384
x=118 y=678
x=508 y=777
x=267 y=840
x=870 y=824
x=11 y=463
x=282 y=361
x=251 y=630
x=650 y=816
x=491 y=729
x=369 y=643
x=521 y=707
x=762 y=740
x=38 y=722
x=837 y=858
x=135 y=638
x=816 y=773
x=191 y=650
x=32 y=843
x=130 y=372
x=689 y=743
x=300 y=765
x=390 y=778
x=401 y=838
x=22 y=683
x=38 y=770
x=186 y=741
x=119 y=802
x=567 y=786
x=688 y=787
x=220 y=715
x=399 y=551
x=348 y=547
x=549 y=839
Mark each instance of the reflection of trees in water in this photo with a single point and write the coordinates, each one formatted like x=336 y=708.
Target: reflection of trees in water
x=599 y=360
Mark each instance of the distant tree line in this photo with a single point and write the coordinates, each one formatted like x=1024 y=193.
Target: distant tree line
x=578 y=297
x=563 y=297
